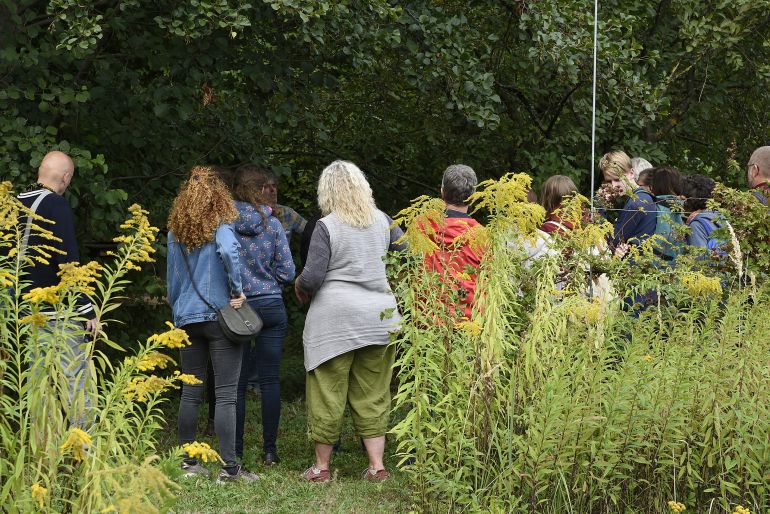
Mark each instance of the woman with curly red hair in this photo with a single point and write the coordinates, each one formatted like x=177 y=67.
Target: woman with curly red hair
x=204 y=274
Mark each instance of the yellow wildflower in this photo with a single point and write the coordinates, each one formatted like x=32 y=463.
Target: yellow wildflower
x=676 y=507
x=173 y=338
x=79 y=278
x=699 y=285
x=471 y=327
x=201 y=451
x=7 y=279
x=137 y=244
x=140 y=387
x=77 y=441
x=154 y=360
x=48 y=295
x=739 y=509
x=39 y=493
x=589 y=310
x=186 y=378
x=647 y=357
x=37 y=319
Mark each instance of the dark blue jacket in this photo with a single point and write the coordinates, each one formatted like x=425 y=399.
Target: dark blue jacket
x=637 y=220
x=55 y=209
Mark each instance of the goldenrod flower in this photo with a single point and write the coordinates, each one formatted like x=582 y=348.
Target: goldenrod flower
x=676 y=507
x=154 y=360
x=470 y=327
x=173 y=338
x=201 y=451
x=79 y=278
x=741 y=510
x=48 y=295
x=137 y=243
x=647 y=357
x=7 y=279
x=141 y=387
x=39 y=493
x=76 y=442
x=186 y=378
x=589 y=310
x=699 y=285
x=37 y=319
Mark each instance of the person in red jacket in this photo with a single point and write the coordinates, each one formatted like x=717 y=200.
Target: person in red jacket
x=455 y=259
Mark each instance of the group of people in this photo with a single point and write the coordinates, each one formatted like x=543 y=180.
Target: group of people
x=225 y=245
x=228 y=243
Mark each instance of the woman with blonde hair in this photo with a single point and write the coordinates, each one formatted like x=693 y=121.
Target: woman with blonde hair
x=203 y=275
x=637 y=220
x=347 y=355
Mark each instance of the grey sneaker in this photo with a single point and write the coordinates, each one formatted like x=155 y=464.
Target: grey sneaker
x=240 y=475
x=192 y=470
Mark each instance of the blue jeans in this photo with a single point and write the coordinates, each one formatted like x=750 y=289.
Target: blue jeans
x=265 y=355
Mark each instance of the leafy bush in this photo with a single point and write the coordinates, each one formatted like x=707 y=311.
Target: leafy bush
x=58 y=454
x=556 y=400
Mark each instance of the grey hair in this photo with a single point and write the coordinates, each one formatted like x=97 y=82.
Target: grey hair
x=639 y=164
x=458 y=183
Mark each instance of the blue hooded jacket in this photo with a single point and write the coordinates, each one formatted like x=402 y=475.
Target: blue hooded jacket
x=265 y=258
x=637 y=220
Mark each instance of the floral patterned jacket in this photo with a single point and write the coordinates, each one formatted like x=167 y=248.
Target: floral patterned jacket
x=265 y=258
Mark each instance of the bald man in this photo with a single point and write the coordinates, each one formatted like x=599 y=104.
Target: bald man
x=758 y=171
x=53 y=178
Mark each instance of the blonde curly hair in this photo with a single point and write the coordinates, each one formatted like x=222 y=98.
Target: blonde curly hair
x=343 y=189
x=202 y=205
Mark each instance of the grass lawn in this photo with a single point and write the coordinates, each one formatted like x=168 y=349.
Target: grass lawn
x=281 y=489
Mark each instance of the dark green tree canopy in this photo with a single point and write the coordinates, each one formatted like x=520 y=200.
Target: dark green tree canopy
x=139 y=91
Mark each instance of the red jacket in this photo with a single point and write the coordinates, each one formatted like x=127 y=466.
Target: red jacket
x=554 y=224
x=455 y=257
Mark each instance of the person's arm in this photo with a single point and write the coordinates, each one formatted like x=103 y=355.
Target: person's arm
x=699 y=235
x=300 y=224
x=172 y=260
x=396 y=233
x=283 y=264
x=318 y=257
x=227 y=249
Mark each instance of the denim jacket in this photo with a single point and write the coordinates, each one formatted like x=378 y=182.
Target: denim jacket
x=216 y=271
x=266 y=260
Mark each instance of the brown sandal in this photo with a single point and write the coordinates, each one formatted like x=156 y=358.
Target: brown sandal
x=375 y=475
x=315 y=475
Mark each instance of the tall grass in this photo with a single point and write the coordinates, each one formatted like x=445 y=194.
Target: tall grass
x=58 y=454
x=549 y=400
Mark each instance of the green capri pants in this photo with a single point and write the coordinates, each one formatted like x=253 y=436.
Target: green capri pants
x=360 y=378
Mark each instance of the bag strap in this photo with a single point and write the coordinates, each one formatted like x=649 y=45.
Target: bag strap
x=28 y=229
x=189 y=273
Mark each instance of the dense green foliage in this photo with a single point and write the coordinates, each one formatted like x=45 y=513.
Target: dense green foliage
x=557 y=398
x=145 y=90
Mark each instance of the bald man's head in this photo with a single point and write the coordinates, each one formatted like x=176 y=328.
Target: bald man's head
x=56 y=171
x=759 y=166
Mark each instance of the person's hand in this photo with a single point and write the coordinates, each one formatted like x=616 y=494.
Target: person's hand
x=302 y=296
x=237 y=301
x=621 y=250
x=93 y=327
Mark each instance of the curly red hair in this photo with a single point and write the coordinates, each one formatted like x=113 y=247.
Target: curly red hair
x=204 y=202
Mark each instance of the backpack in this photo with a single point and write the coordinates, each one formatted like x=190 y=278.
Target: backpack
x=666 y=220
x=713 y=244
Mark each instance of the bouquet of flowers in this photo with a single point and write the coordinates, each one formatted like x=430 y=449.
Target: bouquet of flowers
x=607 y=199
